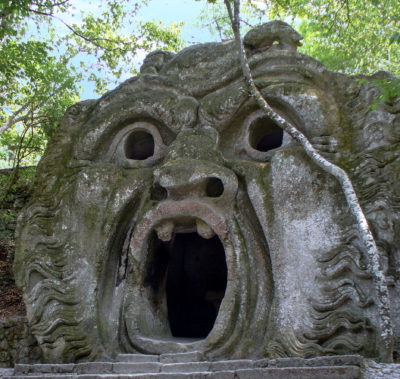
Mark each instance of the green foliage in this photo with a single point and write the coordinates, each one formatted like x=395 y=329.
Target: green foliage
x=43 y=60
x=351 y=36
x=21 y=186
x=36 y=88
x=110 y=41
x=389 y=90
x=14 y=13
x=12 y=198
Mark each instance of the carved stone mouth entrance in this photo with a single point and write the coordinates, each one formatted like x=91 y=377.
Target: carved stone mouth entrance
x=188 y=274
x=178 y=294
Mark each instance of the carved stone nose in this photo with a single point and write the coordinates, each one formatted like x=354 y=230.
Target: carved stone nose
x=186 y=179
x=194 y=169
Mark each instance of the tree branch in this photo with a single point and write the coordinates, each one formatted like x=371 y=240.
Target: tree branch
x=81 y=35
x=14 y=118
x=382 y=294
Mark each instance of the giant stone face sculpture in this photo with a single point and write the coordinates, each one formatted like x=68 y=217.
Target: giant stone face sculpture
x=171 y=215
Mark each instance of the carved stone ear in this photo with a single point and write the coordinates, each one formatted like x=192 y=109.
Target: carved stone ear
x=275 y=33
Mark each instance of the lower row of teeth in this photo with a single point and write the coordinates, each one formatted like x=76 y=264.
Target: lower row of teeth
x=166 y=229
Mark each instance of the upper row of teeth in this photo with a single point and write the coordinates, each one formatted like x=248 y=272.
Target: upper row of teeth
x=165 y=230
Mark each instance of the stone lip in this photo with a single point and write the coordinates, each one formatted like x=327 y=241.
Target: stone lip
x=175 y=209
x=159 y=344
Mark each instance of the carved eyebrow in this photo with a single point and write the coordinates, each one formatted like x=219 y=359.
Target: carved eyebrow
x=219 y=107
x=169 y=115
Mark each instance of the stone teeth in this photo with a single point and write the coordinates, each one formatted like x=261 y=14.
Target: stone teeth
x=204 y=230
x=164 y=231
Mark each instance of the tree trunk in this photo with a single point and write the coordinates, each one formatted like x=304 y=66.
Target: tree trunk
x=379 y=278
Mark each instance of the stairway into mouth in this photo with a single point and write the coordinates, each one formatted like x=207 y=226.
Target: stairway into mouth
x=194 y=365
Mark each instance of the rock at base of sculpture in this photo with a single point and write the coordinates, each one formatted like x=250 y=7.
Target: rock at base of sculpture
x=17 y=343
x=172 y=215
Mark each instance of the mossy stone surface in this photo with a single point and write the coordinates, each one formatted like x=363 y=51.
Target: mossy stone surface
x=298 y=282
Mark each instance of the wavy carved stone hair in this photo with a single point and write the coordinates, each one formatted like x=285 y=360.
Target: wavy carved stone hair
x=172 y=215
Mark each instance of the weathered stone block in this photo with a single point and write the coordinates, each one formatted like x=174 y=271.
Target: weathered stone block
x=186 y=367
x=345 y=372
x=136 y=368
x=195 y=356
x=222 y=375
x=231 y=365
x=94 y=367
x=138 y=358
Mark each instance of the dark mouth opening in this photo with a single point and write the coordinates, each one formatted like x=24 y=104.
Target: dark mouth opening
x=191 y=273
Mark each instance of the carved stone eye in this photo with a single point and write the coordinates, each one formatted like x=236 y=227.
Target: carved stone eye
x=139 y=145
x=265 y=135
x=261 y=137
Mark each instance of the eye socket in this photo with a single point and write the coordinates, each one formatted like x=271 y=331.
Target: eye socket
x=265 y=135
x=139 y=145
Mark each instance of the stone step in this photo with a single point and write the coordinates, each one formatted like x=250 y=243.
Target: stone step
x=338 y=372
x=194 y=356
x=132 y=367
x=5 y=372
x=137 y=358
x=186 y=364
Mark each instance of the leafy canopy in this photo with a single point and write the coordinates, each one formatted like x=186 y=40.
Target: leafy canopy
x=44 y=57
x=351 y=36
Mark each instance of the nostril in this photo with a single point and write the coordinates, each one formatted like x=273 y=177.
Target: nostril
x=214 y=187
x=158 y=193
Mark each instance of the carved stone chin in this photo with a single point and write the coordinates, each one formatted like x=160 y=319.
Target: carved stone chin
x=171 y=215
